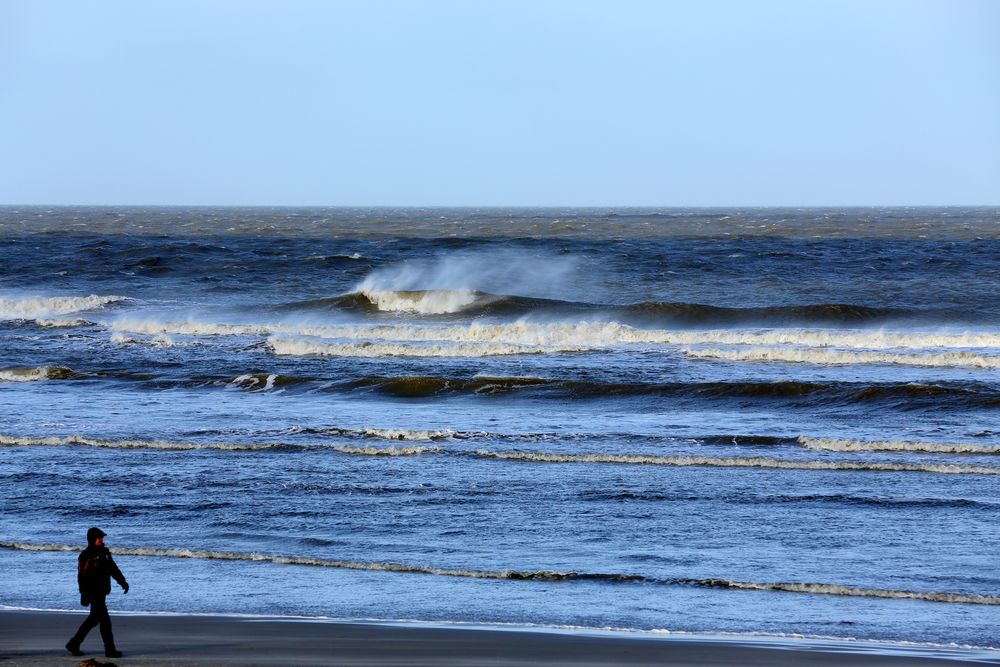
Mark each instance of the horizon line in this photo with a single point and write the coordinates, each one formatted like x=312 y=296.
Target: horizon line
x=510 y=206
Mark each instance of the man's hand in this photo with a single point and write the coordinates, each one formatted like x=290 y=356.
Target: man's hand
x=125 y=588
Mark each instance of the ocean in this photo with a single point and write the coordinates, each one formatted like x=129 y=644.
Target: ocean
x=750 y=421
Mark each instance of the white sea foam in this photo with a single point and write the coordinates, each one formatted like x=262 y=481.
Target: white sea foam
x=296 y=560
x=575 y=334
x=24 y=374
x=824 y=356
x=41 y=307
x=58 y=323
x=302 y=346
x=253 y=382
x=131 y=443
x=840 y=338
x=424 y=302
x=845 y=445
x=33 y=374
x=125 y=443
x=736 y=462
x=452 y=282
x=520 y=575
x=527 y=456
x=359 y=450
x=160 y=340
x=398 y=434
x=853 y=591
x=192 y=328
x=404 y=434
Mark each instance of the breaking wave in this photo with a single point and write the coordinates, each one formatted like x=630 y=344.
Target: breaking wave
x=42 y=307
x=539 y=575
x=385 y=433
x=475 y=303
x=529 y=575
x=191 y=328
x=412 y=450
x=416 y=386
x=795 y=392
x=510 y=455
x=403 y=434
x=735 y=462
x=822 y=356
x=265 y=381
x=425 y=302
x=838 y=589
x=572 y=336
x=844 y=445
x=55 y=441
x=62 y=324
x=438 y=302
x=37 y=373
x=824 y=444
x=902 y=395
x=131 y=443
x=746 y=440
x=301 y=346
x=160 y=340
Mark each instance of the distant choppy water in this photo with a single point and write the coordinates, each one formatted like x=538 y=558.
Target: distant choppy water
x=782 y=421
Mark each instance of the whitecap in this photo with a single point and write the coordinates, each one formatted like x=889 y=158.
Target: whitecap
x=41 y=307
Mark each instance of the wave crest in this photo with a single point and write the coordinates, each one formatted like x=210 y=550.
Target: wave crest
x=822 y=356
x=62 y=324
x=846 y=445
x=265 y=381
x=530 y=575
x=407 y=434
x=315 y=347
x=125 y=443
x=424 y=302
x=411 y=450
x=37 y=373
x=586 y=335
x=372 y=298
x=190 y=328
x=736 y=462
x=831 y=393
x=394 y=434
x=135 y=443
x=838 y=589
x=160 y=340
x=40 y=307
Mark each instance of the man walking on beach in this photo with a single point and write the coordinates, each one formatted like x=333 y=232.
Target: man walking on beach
x=94 y=571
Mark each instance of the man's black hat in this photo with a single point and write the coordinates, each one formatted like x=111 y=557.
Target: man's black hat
x=93 y=534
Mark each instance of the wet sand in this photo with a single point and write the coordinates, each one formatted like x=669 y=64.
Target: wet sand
x=37 y=638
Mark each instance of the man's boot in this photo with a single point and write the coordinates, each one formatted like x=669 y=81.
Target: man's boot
x=73 y=648
x=112 y=653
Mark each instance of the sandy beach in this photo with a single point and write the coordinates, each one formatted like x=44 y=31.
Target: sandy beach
x=36 y=638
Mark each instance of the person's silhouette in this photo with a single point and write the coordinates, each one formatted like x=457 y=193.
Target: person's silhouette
x=94 y=572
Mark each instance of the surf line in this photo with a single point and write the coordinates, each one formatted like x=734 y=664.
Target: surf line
x=527 y=457
x=537 y=575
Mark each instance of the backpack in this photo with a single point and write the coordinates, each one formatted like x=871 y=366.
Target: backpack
x=88 y=574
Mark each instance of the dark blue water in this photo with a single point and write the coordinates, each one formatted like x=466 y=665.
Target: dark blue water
x=774 y=421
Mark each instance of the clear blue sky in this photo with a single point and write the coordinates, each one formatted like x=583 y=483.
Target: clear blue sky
x=476 y=102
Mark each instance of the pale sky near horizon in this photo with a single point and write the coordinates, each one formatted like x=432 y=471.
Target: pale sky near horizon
x=464 y=103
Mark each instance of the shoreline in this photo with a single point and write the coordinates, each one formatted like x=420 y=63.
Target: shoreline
x=161 y=639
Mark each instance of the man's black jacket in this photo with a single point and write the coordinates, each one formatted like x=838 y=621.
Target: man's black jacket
x=94 y=571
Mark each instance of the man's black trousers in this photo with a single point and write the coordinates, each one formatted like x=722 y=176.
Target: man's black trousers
x=98 y=616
